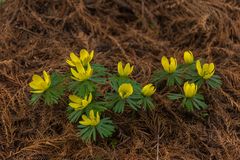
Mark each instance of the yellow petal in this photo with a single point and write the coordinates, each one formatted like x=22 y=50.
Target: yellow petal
x=70 y=63
x=84 y=56
x=46 y=77
x=74 y=105
x=37 y=78
x=97 y=118
x=199 y=68
x=90 y=98
x=76 y=79
x=84 y=103
x=192 y=90
x=80 y=68
x=91 y=56
x=38 y=91
x=185 y=89
x=120 y=69
x=211 y=68
x=74 y=73
x=91 y=115
x=205 y=68
x=207 y=76
x=89 y=71
x=127 y=69
x=75 y=99
x=173 y=65
x=85 y=118
x=86 y=121
x=35 y=85
x=74 y=58
x=165 y=64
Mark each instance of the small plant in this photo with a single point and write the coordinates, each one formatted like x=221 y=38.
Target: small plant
x=190 y=98
x=171 y=72
x=91 y=124
x=49 y=88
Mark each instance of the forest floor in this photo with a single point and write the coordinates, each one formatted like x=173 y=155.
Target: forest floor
x=39 y=35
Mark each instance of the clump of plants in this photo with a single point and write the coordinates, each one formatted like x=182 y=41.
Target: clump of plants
x=87 y=106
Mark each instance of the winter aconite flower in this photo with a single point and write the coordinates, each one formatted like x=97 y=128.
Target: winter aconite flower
x=124 y=71
x=188 y=57
x=148 y=90
x=206 y=71
x=81 y=74
x=190 y=89
x=169 y=67
x=79 y=103
x=38 y=84
x=125 y=90
x=84 y=58
x=92 y=120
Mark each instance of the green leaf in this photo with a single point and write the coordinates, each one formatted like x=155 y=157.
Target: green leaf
x=82 y=88
x=148 y=103
x=74 y=115
x=189 y=104
x=170 y=81
x=158 y=76
x=214 y=82
x=119 y=107
x=35 y=98
x=174 y=96
x=200 y=103
x=96 y=106
x=133 y=104
x=105 y=128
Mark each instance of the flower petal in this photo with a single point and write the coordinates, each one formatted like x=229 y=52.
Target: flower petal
x=165 y=63
x=74 y=105
x=37 y=78
x=75 y=59
x=91 y=115
x=199 y=68
x=75 y=99
x=173 y=65
x=74 y=73
x=46 y=77
x=37 y=91
x=120 y=69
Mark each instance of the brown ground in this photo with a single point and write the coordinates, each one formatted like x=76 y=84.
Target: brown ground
x=39 y=34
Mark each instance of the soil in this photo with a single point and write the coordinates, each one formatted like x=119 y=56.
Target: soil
x=39 y=35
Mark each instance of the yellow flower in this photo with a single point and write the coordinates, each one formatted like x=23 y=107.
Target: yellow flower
x=78 y=103
x=206 y=71
x=38 y=84
x=81 y=74
x=124 y=71
x=84 y=58
x=188 y=57
x=92 y=120
x=148 y=90
x=190 y=89
x=125 y=90
x=169 y=67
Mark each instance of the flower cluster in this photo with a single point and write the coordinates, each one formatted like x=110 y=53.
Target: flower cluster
x=87 y=106
x=194 y=75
